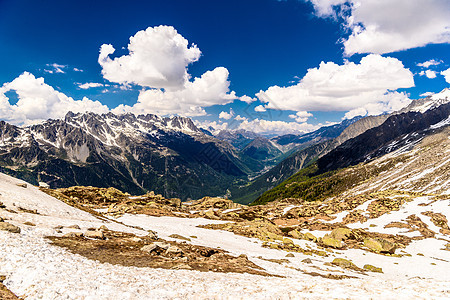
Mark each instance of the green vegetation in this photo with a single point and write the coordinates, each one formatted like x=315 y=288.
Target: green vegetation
x=310 y=184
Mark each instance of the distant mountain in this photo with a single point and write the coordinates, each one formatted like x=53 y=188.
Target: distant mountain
x=133 y=153
x=397 y=131
x=262 y=149
x=317 y=136
x=339 y=169
x=238 y=138
x=311 y=146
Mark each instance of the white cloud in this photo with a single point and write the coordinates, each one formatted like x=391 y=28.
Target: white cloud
x=212 y=126
x=388 y=102
x=429 y=63
x=247 y=99
x=446 y=74
x=301 y=116
x=158 y=58
x=346 y=87
x=225 y=115
x=428 y=73
x=77 y=70
x=260 y=108
x=277 y=127
x=55 y=68
x=240 y=118
x=212 y=88
x=384 y=26
x=38 y=101
x=89 y=85
x=426 y=94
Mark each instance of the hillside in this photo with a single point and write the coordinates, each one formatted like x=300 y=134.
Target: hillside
x=109 y=244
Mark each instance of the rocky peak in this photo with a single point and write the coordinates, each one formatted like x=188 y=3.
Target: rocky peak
x=428 y=103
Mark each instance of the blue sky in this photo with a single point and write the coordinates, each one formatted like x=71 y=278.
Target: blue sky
x=300 y=63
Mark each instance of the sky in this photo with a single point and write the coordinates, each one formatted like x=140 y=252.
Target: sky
x=269 y=66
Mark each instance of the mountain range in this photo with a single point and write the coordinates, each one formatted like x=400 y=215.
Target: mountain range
x=174 y=157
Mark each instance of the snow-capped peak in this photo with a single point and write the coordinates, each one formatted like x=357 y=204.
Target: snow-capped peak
x=430 y=102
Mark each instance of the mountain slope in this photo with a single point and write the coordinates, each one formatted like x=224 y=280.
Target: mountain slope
x=134 y=153
x=301 y=158
x=333 y=173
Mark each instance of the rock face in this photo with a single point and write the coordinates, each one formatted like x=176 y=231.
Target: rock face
x=384 y=139
x=170 y=156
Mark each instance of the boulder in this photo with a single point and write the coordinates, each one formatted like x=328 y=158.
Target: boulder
x=296 y=234
x=179 y=237
x=94 y=234
x=372 y=268
x=287 y=241
x=149 y=248
x=344 y=263
x=174 y=250
x=23 y=185
x=290 y=255
x=73 y=234
x=380 y=245
x=9 y=227
x=74 y=227
x=310 y=237
x=341 y=234
x=328 y=241
x=307 y=261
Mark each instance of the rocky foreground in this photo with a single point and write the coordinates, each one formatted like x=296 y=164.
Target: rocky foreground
x=82 y=242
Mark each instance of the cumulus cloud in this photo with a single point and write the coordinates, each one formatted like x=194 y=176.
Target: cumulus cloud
x=301 y=116
x=212 y=88
x=212 y=126
x=384 y=26
x=446 y=75
x=266 y=127
x=240 y=118
x=158 y=58
x=89 y=85
x=428 y=73
x=157 y=61
x=38 y=101
x=429 y=63
x=333 y=87
x=247 y=99
x=225 y=115
x=388 y=102
x=260 y=108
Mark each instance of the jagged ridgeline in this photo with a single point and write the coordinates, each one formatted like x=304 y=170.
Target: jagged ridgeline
x=349 y=164
x=136 y=154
